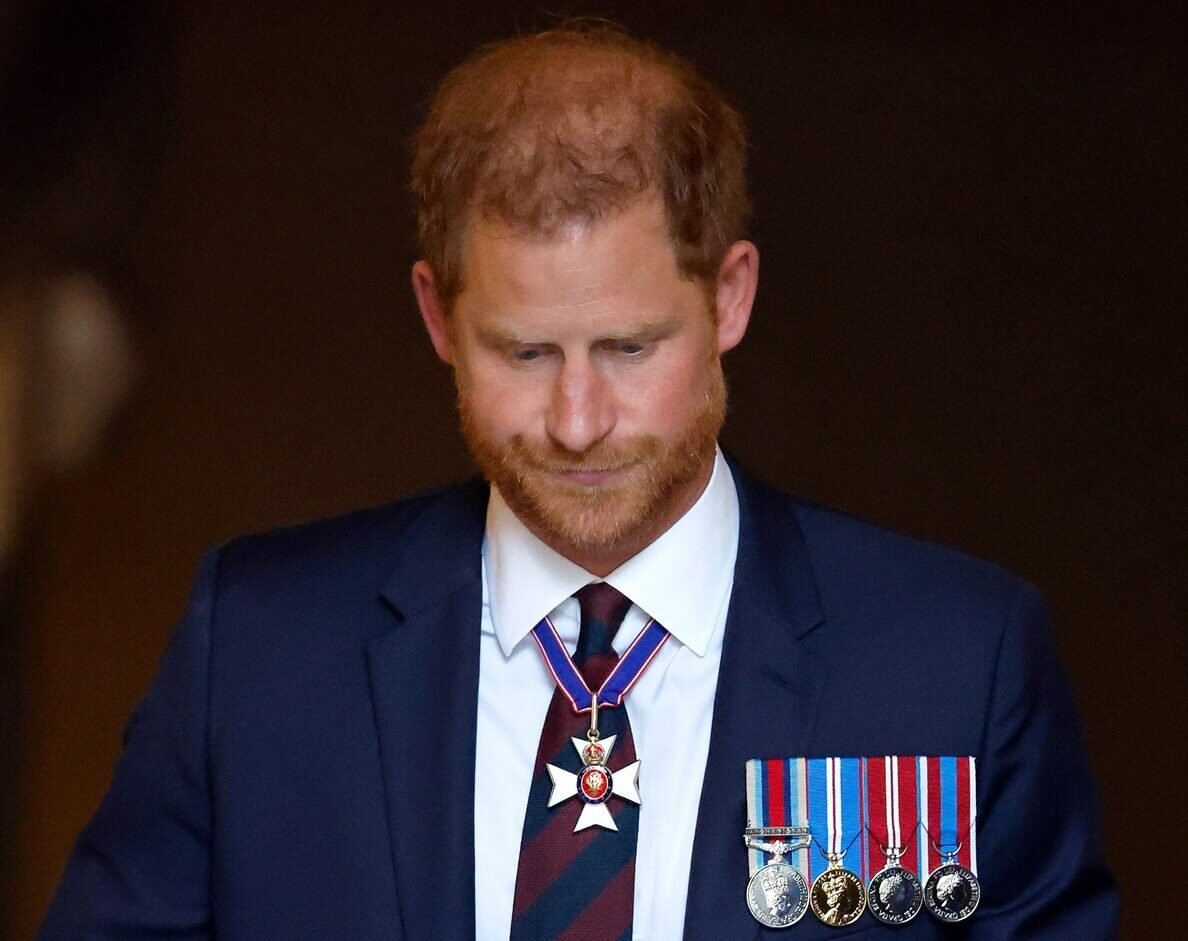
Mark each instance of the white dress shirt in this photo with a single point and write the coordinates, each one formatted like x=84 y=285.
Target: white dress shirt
x=683 y=580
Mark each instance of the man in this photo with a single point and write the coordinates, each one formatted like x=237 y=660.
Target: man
x=379 y=726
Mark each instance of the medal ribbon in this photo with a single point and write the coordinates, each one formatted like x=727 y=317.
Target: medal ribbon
x=892 y=811
x=948 y=801
x=630 y=667
x=903 y=801
x=777 y=796
x=835 y=810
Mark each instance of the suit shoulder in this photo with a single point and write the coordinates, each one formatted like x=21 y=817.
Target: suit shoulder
x=355 y=543
x=866 y=563
x=877 y=543
x=910 y=604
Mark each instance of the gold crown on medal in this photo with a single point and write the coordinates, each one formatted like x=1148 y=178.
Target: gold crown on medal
x=775 y=881
x=593 y=754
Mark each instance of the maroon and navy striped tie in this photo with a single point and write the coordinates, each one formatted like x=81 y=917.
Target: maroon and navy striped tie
x=579 y=886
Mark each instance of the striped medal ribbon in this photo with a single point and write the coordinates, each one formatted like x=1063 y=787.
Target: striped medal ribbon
x=630 y=667
x=947 y=797
x=894 y=894
x=835 y=799
x=594 y=784
x=778 y=840
x=919 y=849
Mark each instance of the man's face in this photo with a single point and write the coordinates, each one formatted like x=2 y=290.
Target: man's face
x=589 y=384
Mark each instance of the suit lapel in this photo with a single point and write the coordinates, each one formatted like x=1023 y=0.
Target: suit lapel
x=766 y=702
x=424 y=684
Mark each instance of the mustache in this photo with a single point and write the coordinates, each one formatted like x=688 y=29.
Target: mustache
x=603 y=456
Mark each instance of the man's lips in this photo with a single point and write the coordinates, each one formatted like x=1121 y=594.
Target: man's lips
x=589 y=477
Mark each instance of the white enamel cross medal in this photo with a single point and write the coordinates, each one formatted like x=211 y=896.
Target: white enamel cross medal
x=595 y=783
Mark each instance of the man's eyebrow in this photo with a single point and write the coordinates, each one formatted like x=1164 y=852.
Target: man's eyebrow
x=499 y=337
x=646 y=330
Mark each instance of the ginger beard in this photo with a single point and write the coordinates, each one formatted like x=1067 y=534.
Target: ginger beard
x=659 y=471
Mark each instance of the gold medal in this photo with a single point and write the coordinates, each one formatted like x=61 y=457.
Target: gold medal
x=838 y=896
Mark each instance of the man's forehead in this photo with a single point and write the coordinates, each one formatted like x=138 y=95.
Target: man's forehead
x=629 y=243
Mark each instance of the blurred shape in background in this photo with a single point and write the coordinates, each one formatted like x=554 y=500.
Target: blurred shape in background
x=82 y=123
x=66 y=365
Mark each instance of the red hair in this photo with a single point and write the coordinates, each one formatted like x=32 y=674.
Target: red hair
x=571 y=125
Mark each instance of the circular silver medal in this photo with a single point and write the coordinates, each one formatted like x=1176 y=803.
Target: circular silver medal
x=952 y=892
x=778 y=895
x=837 y=897
x=895 y=895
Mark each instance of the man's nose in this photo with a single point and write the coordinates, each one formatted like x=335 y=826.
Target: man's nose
x=582 y=410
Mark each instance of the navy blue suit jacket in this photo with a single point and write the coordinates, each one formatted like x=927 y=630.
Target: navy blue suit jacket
x=303 y=764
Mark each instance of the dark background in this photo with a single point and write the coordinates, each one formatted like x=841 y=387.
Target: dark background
x=969 y=327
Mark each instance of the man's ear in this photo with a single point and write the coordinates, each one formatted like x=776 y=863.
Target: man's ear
x=738 y=277
x=433 y=311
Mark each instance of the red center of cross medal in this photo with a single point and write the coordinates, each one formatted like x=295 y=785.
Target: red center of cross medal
x=594 y=783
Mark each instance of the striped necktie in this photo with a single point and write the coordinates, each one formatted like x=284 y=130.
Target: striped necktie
x=579 y=886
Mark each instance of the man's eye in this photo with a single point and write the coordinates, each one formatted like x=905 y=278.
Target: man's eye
x=631 y=348
x=526 y=354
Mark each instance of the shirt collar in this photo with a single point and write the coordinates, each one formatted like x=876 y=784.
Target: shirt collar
x=682 y=579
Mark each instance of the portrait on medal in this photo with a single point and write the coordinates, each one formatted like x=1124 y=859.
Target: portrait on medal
x=836 y=898
x=895 y=895
x=777 y=895
x=952 y=892
x=894 y=892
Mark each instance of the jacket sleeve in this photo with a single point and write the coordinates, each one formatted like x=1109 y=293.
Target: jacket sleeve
x=1039 y=832
x=141 y=867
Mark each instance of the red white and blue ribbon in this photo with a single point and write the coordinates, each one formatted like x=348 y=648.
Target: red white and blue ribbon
x=925 y=805
x=627 y=671
x=947 y=795
x=777 y=796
